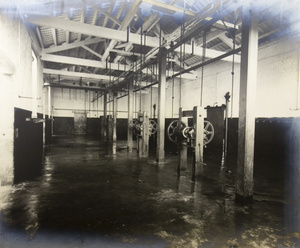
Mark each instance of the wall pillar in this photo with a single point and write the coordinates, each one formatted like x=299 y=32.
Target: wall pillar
x=246 y=128
x=130 y=115
x=7 y=129
x=160 y=151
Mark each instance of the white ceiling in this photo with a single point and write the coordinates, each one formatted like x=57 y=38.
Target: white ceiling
x=97 y=42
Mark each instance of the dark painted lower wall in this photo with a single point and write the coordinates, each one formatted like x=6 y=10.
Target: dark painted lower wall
x=122 y=125
x=28 y=147
x=271 y=137
x=93 y=127
x=48 y=131
x=292 y=174
x=63 y=125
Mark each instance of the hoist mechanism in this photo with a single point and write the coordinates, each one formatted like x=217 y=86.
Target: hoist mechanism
x=137 y=127
x=142 y=127
x=178 y=131
x=195 y=136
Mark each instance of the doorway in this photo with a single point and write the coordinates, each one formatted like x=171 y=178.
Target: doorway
x=80 y=122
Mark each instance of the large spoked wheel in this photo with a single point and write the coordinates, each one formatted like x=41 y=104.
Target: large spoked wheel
x=152 y=127
x=135 y=126
x=174 y=129
x=133 y=123
x=209 y=132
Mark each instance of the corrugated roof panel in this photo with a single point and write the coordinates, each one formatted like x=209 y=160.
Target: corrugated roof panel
x=47 y=37
x=61 y=36
x=89 y=14
x=73 y=37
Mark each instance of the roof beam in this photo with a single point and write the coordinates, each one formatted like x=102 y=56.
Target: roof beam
x=204 y=25
x=109 y=10
x=147 y=25
x=72 y=45
x=40 y=37
x=107 y=14
x=227 y=41
x=66 y=86
x=81 y=20
x=88 y=29
x=107 y=33
x=54 y=36
x=130 y=14
x=170 y=7
x=210 y=36
x=124 y=53
x=94 y=63
x=82 y=62
x=92 y=51
x=71 y=74
x=67 y=32
x=95 y=17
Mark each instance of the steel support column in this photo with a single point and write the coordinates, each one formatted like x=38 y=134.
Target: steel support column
x=114 y=138
x=105 y=116
x=44 y=115
x=160 y=152
x=182 y=162
x=198 y=119
x=130 y=115
x=246 y=129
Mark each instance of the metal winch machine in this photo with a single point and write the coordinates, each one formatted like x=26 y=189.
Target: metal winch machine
x=196 y=136
x=143 y=128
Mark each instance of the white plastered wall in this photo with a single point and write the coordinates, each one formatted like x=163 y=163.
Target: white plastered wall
x=277 y=90
x=15 y=84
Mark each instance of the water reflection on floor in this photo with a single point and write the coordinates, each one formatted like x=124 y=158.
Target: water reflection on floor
x=88 y=197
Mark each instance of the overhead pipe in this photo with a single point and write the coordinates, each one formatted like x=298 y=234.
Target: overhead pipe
x=189 y=36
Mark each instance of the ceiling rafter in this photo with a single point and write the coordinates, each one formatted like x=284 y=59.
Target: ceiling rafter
x=93 y=63
x=72 y=45
x=210 y=36
x=112 y=34
x=169 y=7
x=68 y=86
x=95 y=18
x=126 y=21
x=119 y=13
x=92 y=51
x=106 y=13
x=67 y=32
x=73 y=74
x=40 y=37
x=227 y=41
x=109 y=11
x=82 y=19
x=147 y=25
x=54 y=36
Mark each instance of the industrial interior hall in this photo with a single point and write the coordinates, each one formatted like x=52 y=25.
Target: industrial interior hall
x=150 y=123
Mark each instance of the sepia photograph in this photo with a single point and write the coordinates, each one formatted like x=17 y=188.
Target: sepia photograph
x=150 y=123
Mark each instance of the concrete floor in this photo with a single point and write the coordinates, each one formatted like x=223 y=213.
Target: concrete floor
x=87 y=197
